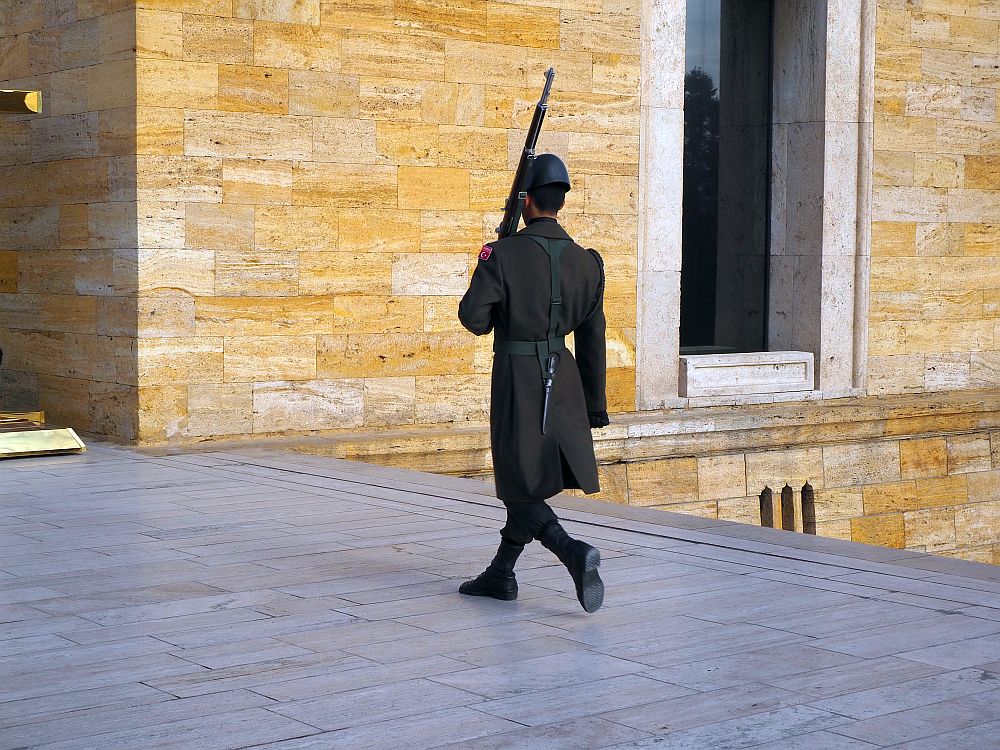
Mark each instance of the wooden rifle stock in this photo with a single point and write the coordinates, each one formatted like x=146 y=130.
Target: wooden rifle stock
x=518 y=190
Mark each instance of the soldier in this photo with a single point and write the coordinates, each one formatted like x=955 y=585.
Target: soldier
x=532 y=289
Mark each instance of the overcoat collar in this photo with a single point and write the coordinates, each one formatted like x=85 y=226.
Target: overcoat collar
x=549 y=229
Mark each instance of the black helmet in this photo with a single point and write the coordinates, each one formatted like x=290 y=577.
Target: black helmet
x=548 y=169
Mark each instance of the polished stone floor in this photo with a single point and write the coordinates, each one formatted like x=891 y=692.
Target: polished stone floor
x=266 y=599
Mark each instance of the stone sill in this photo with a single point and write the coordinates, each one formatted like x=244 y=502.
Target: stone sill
x=779 y=374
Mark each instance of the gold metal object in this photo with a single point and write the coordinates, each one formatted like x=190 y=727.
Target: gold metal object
x=15 y=102
x=26 y=434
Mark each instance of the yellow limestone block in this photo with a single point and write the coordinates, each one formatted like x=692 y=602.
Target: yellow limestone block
x=774 y=469
x=179 y=178
x=215 y=226
x=523 y=67
x=721 y=477
x=894 y=168
x=453 y=398
x=345 y=273
x=317 y=92
x=227 y=41
x=296 y=228
x=158 y=34
x=8 y=271
x=243 y=135
x=283 y=11
x=441 y=314
x=396 y=99
x=159 y=131
x=600 y=32
x=257 y=182
x=180 y=360
x=370 y=15
x=923 y=457
x=481 y=148
x=395 y=354
x=969 y=453
x=930 y=528
x=344 y=185
x=386 y=231
x=344 y=140
x=672 y=480
x=192 y=271
x=381 y=314
x=243 y=88
x=885 y=530
x=403 y=55
x=163 y=316
x=390 y=401
x=982 y=172
x=621 y=389
x=171 y=83
x=219 y=409
x=263 y=316
x=297 y=46
x=434 y=188
x=616 y=74
x=978 y=524
x=521 y=25
x=407 y=143
x=265 y=358
x=456 y=19
x=68 y=313
x=256 y=273
x=161 y=412
x=450 y=231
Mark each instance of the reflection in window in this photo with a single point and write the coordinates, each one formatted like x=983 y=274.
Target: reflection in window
x=726 y=168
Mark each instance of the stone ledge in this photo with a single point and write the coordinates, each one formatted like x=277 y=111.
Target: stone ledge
x=745 y=374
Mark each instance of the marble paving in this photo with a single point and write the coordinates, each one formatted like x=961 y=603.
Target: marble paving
x=259 y=598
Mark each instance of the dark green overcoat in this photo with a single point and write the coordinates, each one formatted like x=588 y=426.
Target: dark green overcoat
x=509 y=294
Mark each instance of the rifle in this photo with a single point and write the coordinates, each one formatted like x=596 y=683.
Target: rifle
x=518 y=192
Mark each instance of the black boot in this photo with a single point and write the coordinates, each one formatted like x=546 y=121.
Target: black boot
x=498 y=579
x=581 y=560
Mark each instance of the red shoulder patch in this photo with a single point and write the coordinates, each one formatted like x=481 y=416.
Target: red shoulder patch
x=486 y=252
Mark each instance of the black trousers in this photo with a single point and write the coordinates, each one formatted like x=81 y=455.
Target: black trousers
x=525 y=521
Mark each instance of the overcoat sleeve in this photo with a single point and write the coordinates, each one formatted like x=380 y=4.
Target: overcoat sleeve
x=591 y=351
x=475 y=311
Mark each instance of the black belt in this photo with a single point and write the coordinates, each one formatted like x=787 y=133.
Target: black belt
x=542 y=349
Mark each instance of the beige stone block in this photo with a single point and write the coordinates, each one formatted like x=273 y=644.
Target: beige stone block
x=934 y=336
x=441 y=314
x=256 y=273
x=616 y=74
x=380 y=231
x=894 y=306
x=985 y=70
x=179 y=84
x=188 y=359
x=614 y=484
x=602 y=154
x=345 y=273
x=263 y=316
x=378 y=314
x=923 y=457
x=297 y=46
x=371 y=15
x=890 y=97
x=159 y=131
x=839 y=503
x=774 y=469
x=522 y=25
x=219 y=409
x=839 y=529
x=614 y=195
x=390 y=401
x=395 y=355
x=440 y=102
x=522 y=67
x=246 y=135
x=344 y=185
x=721 y=477
x=265 y=358
x=282 y=11
x=439 y=188
x=456 y=19
x=982 y=172
x=158 y=34
x=894 y=239
x=707 y=509
x=968 y=453
x=604 y=33
x=346 y=141
x=981 y=240
x=323 y=94
x=983 y=486
x=453 y=398
x=407 y=143
x=432 y=274
x=160 y=225
x=210 y=39
x=191 y=271
x=68 y=314
x=886 y=530
x=161 y=412
x=930 y=527
x=243 y=88
x=937 y=240
x=450 y=231
x=662 y=482
x=166 y=315
x=740 y=510
x=296 y=229
x=401 y=55
x=217 y=226
x=179 y=179
x=938 y=170
x=488 y=191
x=222 y=8
x=257 y=182
x=393 y=99
x=462 y=146
x=978 y=523
x=896 y=62
x=316 y=405
x=863 y=463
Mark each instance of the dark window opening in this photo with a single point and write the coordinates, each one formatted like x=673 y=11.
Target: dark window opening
x=727 y=130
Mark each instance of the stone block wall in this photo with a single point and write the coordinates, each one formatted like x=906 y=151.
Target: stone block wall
x=935 y=269
x=315 y=179
x=68 y=214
